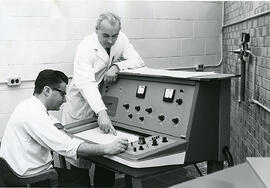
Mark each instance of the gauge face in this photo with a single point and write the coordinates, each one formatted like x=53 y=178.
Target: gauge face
x=141 y=91
x=168 y=95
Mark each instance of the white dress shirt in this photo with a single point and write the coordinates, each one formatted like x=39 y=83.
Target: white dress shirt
x=90 y=65
x=29 y=137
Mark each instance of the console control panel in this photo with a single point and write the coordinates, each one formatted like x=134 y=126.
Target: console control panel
x=155 y=106
x=151 y=146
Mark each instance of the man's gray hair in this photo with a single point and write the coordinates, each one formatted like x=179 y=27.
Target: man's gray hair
x=111 y=17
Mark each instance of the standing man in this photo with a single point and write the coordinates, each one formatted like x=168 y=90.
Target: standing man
x=30 y=134
x=100 y=56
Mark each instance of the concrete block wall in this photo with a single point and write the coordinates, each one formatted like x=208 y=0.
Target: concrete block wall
x=39 y=34
x=250 y=124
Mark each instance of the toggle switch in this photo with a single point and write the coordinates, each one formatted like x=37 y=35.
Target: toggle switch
x=126 y=106
x=161 y=117
x=141 y=140
x=164 y=139
x=137 y=108
x=141 y=148
x=149 y=110
x=134 y=149
x=154 y=143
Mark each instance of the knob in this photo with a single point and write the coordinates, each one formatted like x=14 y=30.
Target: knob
x=141 y=148
x=149 y=110
x=126 y=106
x=161 y=117
x=130 y=116
x=137 y=108
x=141 y=140
x=179 y=101
x=175 y=120
x=164 y=139
x=141 y=118
x=154 y=143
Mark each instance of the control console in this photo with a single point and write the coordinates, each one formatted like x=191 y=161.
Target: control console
x=152 y=146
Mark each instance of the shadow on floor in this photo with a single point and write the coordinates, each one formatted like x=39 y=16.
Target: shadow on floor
x=166 y=179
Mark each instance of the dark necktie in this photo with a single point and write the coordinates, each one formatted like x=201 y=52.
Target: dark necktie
x=108 y=50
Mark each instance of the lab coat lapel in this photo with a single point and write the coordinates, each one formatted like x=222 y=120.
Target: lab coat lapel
x=101 y=52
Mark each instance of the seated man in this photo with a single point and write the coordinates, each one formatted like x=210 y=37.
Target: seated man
x=30 y=135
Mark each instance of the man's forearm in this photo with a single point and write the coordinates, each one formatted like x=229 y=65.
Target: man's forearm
x=87 y=149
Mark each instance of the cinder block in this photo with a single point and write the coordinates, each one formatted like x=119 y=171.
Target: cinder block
x=134 y=9
x=181 y=29
x=264 y=52
x=206 y=28
x=158 y=63
x=41 y=28
x=27 y=8
x=206 y=60
x=156 y=28
x=183 y=61
x=167 y=47
x=12 y=98
x=37 y=52
x=213 y=10
x=193 y=47
x=3 y=122
x=212 y=45
x=177 y=10
x=83 y=9
x=132 y=28
x=145 y=47
x=4 y=72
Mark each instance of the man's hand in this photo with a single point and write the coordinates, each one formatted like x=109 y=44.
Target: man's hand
x=105 y=123
x=111 y=75
x=118 y=146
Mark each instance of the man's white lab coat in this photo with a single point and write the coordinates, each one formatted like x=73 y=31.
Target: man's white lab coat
x=90 y=65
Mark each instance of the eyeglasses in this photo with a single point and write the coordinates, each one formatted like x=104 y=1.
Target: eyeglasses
x=62 y=93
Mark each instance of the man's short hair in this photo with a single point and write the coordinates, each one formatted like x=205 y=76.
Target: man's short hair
x=111 y=17
x=51 y=78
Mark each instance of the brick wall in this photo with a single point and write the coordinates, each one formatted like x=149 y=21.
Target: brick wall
x=250 y=124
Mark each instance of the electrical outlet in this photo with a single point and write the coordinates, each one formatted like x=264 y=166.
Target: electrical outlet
x=16 y=81
x=199 y=67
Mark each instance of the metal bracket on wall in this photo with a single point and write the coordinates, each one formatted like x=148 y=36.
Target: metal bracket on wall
x=253 y=100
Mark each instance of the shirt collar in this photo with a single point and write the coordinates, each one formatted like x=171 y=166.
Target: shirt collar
x=40 y=104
